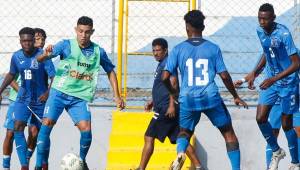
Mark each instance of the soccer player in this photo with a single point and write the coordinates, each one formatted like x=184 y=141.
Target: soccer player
x=199 y=61
x=9 y=125
x=33 y=87
x=165 y=120
x=274 y=120
x=39 y=42
x=281 y=63
x=74 y=86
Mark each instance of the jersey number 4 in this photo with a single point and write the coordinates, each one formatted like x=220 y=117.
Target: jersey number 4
x=27 y=74
x=203 y=78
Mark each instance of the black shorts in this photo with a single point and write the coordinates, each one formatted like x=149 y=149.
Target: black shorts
x=160 y=129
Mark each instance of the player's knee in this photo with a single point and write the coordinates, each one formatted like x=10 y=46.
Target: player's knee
x=185 y=133
x=19 y=126
x=297 y=129
x=232 y=146
x=33 y=131
x=287 y=122
x=48 y=122
x=84 y=125
x=9 y=135
x=260 y=118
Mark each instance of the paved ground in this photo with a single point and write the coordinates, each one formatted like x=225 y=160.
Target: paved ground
x=211 y=148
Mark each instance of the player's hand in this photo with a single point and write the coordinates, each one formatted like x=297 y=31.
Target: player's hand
x=171 y=112
x=239 y=102
x=238 y=83
x=43 y=98
x=148 y=106
x=267 y=83
x=48 y=50
x=250 y=79
x=120 y=103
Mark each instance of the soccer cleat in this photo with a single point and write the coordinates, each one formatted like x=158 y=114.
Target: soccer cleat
x=6 y=168
x=199 y=168
x=294 y=166
x=38 y=168
x=178 y=162
x=276 y=157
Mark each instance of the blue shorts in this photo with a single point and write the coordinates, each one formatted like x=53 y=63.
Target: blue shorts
x=275 y=116
x=23 y=113
x=296 y=119
x=9 y=119
x=218 y=115
x=77 y=108
x=287 y=96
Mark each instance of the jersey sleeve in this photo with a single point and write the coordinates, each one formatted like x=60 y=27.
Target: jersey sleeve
x=105 y=62
x=49 y=68
x=289 y=43
x=172 y=62
x=59 y=48
x=13 y=66
x=220 y=66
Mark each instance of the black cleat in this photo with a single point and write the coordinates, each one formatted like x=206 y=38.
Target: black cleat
x=38 y=168
x=85 y=166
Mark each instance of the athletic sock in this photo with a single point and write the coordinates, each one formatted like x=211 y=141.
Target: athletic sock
x=266 y=131
x=21 y=147
x=291 y=137
x=85 y=143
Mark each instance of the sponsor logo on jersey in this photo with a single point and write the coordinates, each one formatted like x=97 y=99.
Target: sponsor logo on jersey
x=83 y=64
x=82 y=76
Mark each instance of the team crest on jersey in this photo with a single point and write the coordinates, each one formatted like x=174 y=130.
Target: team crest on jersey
x=34 y=64
x=275 y=42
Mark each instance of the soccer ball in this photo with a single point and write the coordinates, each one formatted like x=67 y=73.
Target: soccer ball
x=71 y=161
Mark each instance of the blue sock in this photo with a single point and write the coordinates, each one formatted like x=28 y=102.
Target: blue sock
x=29 y=153
x=182 y=144
x=291 y=137
x=43 y=144
x=235 y=159
x=6 y=161
x=269 y=154
x=298 y=139
x=21 y=147
x=85 y=143
x=266 y=131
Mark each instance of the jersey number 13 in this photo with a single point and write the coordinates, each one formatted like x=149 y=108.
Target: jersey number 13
x=201 y=64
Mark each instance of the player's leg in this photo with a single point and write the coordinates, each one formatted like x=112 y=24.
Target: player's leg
x=147 y=152
x=150 y=135
x=9 y=137
x=187 y=122
x=21 y=115
x=31 y=140
x=173 y=131
x=53 y=109
x=289 y=107
x=81 y=116
x=220 y=117
x=275 y=122
x=267 y=99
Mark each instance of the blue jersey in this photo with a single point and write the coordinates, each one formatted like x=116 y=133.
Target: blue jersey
x=34 y=75
x=278 y=47
x=199 y=61
x=63 y=49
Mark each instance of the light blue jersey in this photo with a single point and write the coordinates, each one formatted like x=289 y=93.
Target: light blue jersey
x=199 y=61
x=278 y=47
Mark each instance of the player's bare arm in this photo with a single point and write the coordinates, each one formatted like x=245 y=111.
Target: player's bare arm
x=166 y=80
x=226 y=78
x=7 y=80
x=291 y=69
x=14 y=85
x=148 y=106
x=44 y=96
x=171 y=111
x=114 y=84
x=46 y=54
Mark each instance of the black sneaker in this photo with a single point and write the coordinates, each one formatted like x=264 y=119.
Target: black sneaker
x=38 y=168
x=85 y=166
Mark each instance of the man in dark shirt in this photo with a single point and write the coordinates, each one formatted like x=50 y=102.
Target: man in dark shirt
x=165 y=119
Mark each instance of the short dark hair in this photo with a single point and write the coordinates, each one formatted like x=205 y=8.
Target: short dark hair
x=195 y=18
x=266 y=8
x=161 y=42
x=84 y=20
x=26 y=30
x=40 y=31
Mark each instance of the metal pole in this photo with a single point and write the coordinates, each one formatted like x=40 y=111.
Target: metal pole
x=120 y=44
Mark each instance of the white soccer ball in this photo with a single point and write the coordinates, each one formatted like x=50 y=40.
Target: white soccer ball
x=71 y=161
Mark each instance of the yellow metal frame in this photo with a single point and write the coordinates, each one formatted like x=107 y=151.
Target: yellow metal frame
x=123 y=61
